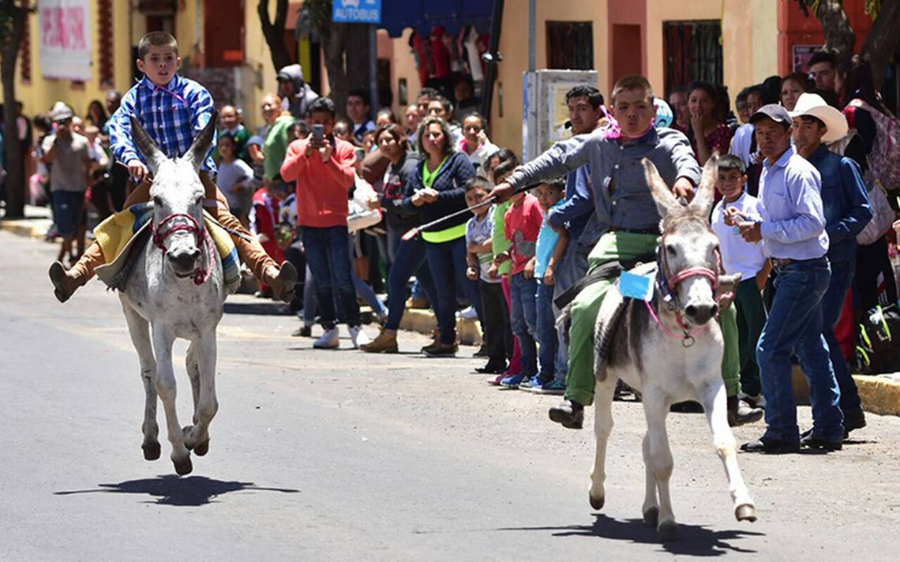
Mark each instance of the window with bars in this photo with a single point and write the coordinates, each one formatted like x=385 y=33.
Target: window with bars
x=693 y=51
x=570 y=45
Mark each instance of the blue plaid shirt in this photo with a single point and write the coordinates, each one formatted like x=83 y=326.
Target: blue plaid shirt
x=173 y=115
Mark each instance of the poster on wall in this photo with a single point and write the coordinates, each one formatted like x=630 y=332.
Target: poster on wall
x=65 y=32
x=801 y=55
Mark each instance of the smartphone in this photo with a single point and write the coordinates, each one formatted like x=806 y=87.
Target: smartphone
x=318 y=133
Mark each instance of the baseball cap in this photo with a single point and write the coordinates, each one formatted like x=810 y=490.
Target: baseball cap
x=773 y=111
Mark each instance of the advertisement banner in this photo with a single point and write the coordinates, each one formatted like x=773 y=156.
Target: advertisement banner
x=66 y=44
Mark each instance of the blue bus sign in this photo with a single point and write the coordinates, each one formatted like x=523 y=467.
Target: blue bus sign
x=357 y=11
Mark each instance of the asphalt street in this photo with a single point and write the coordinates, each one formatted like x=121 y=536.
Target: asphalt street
x=339 y=455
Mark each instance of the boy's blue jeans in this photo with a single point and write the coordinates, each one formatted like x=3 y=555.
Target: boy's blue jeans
x=795 y=325
x=328 y=257
x=523 y=315
x=547 y=335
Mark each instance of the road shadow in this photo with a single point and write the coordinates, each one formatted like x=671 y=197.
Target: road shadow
x=170 y=489
x=265 y=307
x=693 y=540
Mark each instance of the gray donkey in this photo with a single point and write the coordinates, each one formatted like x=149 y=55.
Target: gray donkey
x=176 y=289
x=669 y=349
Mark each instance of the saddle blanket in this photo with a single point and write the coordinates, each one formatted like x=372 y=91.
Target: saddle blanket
x=123 y=230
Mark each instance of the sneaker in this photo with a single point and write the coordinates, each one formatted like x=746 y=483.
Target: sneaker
x=358 y=337
x=554 y=387
x=529 y=384
x=302 y=332
x=385 y=343
x=328 y=340
x=468 y=313
x=513 y=382
x=442 y=350
x=496 y=381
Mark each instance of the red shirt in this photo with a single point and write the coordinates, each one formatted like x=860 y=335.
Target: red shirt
x=523 y=224
x=322 y=187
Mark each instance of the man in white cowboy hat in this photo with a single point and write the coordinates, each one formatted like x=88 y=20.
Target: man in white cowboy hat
x=792 y=232
x=847 y=210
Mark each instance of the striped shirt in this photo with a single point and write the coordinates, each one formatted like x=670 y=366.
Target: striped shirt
x=173 y=115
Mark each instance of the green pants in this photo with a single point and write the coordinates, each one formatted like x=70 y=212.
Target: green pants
x=612 y=246
x=751 y=317
x=731 y=362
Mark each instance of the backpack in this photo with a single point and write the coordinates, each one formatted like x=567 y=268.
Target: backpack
x=877 y=352
x=883 y=160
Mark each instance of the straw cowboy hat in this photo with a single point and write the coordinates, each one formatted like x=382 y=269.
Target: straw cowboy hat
x=814 y=106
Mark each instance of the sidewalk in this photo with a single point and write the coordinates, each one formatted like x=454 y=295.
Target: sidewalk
x=36 y=223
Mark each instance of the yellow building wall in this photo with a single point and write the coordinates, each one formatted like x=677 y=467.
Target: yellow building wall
x=403 y=65
x=39 y=95
x=749 y=38
x=507 y=108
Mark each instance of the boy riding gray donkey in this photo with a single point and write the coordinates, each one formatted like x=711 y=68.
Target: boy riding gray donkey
x=669 y=347
x=173 y=110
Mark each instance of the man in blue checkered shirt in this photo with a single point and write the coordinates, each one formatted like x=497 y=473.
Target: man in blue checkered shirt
x=173 y=110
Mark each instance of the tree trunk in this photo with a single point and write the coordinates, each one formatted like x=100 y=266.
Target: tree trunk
x=839 y=35
x=883 y=39
x=334 y=41
x=358 y=56
x=274 y=32
x=15 y=161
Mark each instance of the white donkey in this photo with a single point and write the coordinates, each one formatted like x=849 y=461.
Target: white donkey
x=176 y=290
x=670 y=350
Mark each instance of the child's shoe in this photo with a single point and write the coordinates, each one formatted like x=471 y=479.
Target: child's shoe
x=513 y=382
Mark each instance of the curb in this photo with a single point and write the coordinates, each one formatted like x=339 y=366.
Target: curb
x=30 y=228
x=879 y=394
x=423 y=321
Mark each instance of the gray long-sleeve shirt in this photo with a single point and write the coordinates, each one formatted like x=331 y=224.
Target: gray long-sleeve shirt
x=621 y=195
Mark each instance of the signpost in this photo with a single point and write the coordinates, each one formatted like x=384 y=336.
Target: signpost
x=365 y=12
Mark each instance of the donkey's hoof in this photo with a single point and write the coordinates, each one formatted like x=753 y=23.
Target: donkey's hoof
x=745 y=512
x=651 y=516
x=597 y=503
x=183 y=466
x=667 y=531
x=202 y=448
x=151 y=451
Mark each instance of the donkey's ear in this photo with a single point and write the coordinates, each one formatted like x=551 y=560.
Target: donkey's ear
x=703 y=202
x=196 y=154
x=145 y=144
x=662 y=195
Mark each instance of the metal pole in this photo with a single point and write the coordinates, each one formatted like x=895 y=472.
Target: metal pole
x=532 y=34
x=373 y=69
